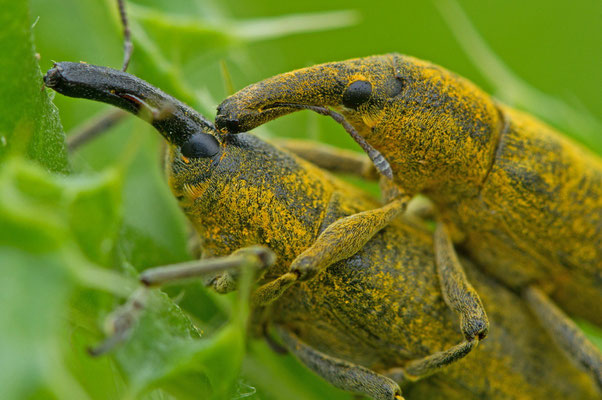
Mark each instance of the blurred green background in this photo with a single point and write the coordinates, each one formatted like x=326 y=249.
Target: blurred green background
x=72 y=241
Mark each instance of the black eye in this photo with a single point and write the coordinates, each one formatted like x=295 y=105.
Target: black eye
x=357 y=94
x=200 y=145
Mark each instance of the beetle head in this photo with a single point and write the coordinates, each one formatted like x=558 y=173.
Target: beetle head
x=236 y=190
x=358 y=85
x=253 y=194
x=433 y=127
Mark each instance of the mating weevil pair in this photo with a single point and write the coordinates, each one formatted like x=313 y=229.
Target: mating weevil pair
x=525 y=202
x=376 y=306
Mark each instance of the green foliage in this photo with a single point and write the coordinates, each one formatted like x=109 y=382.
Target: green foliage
x=30 y=123
x=74 y=232
x=60 y=240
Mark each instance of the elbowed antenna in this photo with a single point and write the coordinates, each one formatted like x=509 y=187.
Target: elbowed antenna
x=128 y=46
x=176 y=121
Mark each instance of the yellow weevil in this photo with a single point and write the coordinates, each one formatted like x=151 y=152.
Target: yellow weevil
x=375 y=314
x=524 y=201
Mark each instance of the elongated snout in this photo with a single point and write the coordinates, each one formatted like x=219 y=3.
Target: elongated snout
x=320 y=85
x=350 y=84
x=173 y=119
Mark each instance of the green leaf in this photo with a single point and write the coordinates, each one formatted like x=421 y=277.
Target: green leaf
x=33 y=290
x=30 y=123
x=27 y=209
x=167 y=351
x=281 y=26
x=51 y=279
x=39 y=256
x=75 y=221
x=94 y=214
x=162 y=338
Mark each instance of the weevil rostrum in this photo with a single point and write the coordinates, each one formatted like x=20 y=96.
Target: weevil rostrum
x=523 y=200
x=373 y=317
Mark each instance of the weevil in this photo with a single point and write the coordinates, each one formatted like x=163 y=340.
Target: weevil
x=374 y=316
x=523 y=200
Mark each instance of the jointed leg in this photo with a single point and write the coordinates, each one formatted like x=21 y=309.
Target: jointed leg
x=423 y=367
x=340 y=240
x=330 y=158
x=458 y=293
x=270 y=291
x=344 y=238
x=93 y=128
x=564 y=331
x=342 y=374
x=461 y=297
x=350 y=162
x=421 y=208
x=123 y=320
x=379 y=161
x=254 y=257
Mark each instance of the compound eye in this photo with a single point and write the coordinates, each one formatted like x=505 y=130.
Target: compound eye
x=357 y=94
x=200 y=145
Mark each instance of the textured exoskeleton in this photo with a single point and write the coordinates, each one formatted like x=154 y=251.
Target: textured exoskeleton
x=377 y=311
x=523 y=200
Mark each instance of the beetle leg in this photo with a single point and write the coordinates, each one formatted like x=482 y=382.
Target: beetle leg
x=121 y=323
x=340 y=373
x=331 y=158
x=344 y=238
x=343 y=161
x=254 y=256
x=340 y=240
x=422 y=208
x=457 y=291
x=379 y=161
x=93 y=128
x=124 y=319
x=564 y=332
x=423 y=367
x=270 y=291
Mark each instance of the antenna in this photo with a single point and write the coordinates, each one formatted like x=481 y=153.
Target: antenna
x=128 y=46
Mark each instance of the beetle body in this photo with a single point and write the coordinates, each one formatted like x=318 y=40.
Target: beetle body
x=384 y=314
x=380 y=308
x=525 y=201
x=538 y=216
